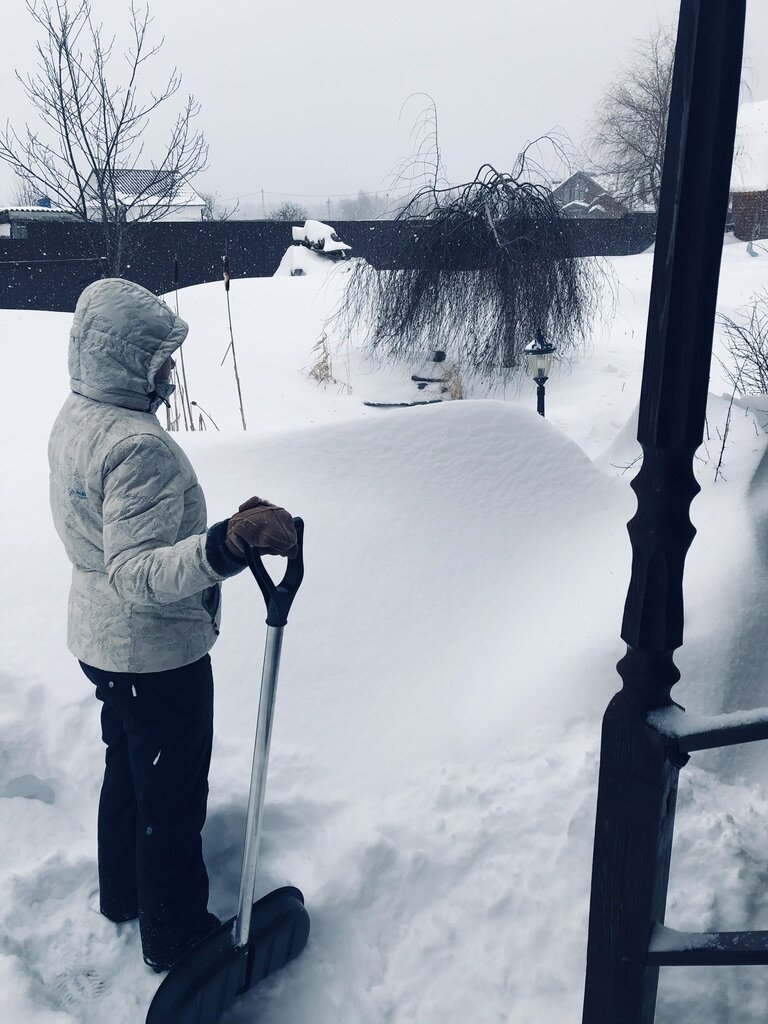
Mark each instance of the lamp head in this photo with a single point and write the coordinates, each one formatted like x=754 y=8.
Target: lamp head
x=538 y=355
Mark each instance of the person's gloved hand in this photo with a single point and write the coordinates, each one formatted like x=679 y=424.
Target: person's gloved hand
x=264 y=526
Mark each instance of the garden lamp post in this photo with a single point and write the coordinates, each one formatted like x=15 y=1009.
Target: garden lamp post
x=539 y=355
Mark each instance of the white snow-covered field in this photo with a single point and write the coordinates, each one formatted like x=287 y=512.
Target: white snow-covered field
x=445 y=669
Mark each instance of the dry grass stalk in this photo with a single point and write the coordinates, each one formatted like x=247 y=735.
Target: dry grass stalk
x=231 y=346
x=185 y=390
x=321 y=370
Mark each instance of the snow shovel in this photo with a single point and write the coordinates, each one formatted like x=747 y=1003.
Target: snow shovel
x=267 y=934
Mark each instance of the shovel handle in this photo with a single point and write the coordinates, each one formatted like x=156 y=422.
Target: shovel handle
x=279 y=596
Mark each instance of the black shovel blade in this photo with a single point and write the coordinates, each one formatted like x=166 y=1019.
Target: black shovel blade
x=200 y=987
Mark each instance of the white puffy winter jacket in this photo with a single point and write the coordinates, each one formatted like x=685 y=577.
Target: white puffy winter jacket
x=125 y=498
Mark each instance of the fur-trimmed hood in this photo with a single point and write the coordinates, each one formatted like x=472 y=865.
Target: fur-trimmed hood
x=121 y=335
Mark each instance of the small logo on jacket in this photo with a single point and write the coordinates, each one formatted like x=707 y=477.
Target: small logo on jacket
x=77 y=493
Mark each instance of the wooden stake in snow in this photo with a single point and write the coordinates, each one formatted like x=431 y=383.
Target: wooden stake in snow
x=225 y=270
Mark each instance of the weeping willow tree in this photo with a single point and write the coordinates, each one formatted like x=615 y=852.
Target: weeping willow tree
x=483 y=268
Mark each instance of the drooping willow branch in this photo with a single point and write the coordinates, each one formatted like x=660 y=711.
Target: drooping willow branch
x=483 y=267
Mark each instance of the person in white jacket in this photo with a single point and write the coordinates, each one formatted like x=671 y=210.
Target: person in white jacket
x=144 y=607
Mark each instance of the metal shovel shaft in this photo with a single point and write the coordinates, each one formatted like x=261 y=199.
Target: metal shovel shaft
x=258 y=782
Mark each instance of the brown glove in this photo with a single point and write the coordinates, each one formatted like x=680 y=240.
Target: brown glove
x=262 y=525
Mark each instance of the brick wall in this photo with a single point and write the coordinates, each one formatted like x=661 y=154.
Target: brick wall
x=750 y=215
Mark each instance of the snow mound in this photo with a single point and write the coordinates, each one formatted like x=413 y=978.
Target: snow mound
x=298 y=261
x=436 y=541
x=444 y=673
x=459 y=520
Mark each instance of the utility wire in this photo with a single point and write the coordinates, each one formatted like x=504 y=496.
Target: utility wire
x=320 y=195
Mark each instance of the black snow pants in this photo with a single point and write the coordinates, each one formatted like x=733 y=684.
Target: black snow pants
x=158 y=730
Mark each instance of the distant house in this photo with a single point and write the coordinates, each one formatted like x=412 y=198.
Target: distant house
x=749 y=176
x=141 y=191
x=582 y=196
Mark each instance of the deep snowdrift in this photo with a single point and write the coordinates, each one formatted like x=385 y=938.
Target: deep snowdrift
x=444 y=547
x=444 y=673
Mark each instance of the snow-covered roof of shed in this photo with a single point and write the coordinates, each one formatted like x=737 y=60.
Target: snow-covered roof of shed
x=750 y=159
x=33 y=212
x=33 y=208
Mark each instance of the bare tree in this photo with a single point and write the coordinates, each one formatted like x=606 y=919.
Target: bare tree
x=485 y=266
x=90 y=127
x=214 y=208
x=630 y=126
x=25 y=193
x=492 y=268
x=363 y=206
x=424 y=167
x=288 y=211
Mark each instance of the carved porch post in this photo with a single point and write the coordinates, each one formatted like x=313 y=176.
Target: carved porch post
x=638 y=772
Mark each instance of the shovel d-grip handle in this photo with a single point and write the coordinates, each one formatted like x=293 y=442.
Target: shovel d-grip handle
x=279 y=596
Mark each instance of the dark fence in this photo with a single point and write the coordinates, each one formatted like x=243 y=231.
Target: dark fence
x=50 y=267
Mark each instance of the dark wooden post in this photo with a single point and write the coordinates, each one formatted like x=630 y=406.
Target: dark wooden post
x=638 y=770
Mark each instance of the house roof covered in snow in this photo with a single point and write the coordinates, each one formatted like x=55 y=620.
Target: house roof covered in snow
x=750 y=159
x=594 y=183
x=148 y=185
x=583 y=195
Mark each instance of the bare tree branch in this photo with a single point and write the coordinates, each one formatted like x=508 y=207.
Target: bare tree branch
x=213 y=210
x=91 y=126
x=630 y=126
x=746 y=338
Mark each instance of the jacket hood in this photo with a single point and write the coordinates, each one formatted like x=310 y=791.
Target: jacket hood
x=121 y=335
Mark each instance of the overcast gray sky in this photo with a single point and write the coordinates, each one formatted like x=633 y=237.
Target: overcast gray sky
x=302 y=96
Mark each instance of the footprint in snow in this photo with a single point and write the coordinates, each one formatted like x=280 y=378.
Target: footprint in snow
x=76 y=986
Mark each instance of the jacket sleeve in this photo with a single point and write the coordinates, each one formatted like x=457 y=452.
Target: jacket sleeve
x=142 y=511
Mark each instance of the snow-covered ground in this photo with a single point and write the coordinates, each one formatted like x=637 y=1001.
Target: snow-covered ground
x=445 y=669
